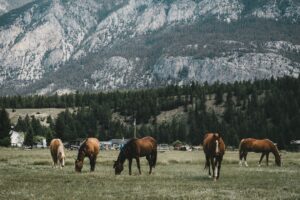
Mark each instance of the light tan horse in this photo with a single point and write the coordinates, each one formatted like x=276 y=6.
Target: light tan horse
x=264 y=146
x=89 y=148
x=214 y=150
x=57 y=153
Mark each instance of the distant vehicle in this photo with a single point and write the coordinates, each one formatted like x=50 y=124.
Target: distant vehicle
x=163 y=147
x=74 y=144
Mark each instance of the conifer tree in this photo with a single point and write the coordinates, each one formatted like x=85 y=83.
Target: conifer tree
x=28 y=140
x=4 y=128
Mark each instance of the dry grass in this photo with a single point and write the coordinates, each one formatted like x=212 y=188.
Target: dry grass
x=39 y=113
x=27 y=174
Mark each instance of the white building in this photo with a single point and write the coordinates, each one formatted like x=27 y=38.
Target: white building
x=16 y=138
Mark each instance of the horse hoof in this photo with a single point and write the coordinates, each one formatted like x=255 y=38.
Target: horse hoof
x=209 y=176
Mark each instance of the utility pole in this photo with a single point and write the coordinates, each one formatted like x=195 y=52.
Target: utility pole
x=134 y=126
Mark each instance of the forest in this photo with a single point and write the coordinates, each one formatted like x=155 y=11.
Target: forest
x=259 y=109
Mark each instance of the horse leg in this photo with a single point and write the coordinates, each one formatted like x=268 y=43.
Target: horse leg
x=216 y=169
x=207 y=164
x=261 y=157
x=267 y=158
x=150 y=163
x=241 y=158
x=245 y=159
x=212 y=166
x=92 y=163
x=129 y=165
x=219 y=167
x=138 y=164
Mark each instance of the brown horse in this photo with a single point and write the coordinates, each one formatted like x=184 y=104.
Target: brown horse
x=136 y=148
x=89 y=148
x=57 y=152
x=264 y=146
x=214 y=149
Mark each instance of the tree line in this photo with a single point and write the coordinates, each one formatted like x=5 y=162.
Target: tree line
x=259 y=109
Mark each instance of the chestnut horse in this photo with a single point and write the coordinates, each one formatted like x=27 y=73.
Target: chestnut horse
x=136 y=148
x=264 y=146
x=89 y=148
x=57 y=153
x=214 y=149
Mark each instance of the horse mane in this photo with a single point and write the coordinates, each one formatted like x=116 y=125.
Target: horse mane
x=130 y=141
x=275 y=150
x=81 y=151
x=125 y=148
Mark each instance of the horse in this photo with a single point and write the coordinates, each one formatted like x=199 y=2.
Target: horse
x=264 y=146
x=136 y=148
x=57 y=153
x=89 y=148
x=214 y=150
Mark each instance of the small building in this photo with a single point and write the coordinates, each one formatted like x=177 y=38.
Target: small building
x=39 y=142
x=163 y=147
x=118 y=143
x=16 y=138
x=105 y=145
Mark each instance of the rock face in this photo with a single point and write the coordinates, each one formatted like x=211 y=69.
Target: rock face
x=62 y=46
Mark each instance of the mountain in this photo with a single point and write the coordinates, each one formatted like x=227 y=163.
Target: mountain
x=49 y=46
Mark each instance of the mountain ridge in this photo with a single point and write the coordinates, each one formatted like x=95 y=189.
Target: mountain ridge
x=106 y=45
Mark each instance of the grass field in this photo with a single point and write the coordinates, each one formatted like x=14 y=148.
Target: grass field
x=28 y=174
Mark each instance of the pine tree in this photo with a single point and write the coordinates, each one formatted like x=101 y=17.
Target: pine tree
x=4 y=128
x=49 y=135
x=28 y=140
x=21 y=125
x=60 y=126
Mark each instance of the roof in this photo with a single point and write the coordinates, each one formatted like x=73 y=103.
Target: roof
x=295 y=142
x=119 y=141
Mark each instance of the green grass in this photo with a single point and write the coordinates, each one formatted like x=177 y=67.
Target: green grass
x=28 y=174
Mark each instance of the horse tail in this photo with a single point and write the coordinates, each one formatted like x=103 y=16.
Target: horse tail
x=154 y=157
x=240 y=148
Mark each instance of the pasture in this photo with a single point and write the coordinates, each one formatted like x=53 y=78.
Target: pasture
x=28 y=174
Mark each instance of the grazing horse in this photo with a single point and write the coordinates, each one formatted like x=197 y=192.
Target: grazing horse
x=89 y=148
x=136 y=148
x=264 y=146
x=214 y=149
x=57 y=153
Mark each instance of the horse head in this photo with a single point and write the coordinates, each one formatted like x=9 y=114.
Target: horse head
x=78 y=165
x=118 y=166
x=216 y=143
x=61 y=158
x=278 y=160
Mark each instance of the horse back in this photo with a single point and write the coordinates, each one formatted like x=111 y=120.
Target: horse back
x=54 y=145
x=92 y=146
x=256 y=145
x=145 y=146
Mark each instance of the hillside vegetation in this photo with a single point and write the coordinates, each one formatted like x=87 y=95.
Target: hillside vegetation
x=260 y=109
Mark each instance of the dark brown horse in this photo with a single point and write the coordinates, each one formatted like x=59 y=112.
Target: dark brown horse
x=89 y=148
x=264 y=146
x=214 y=149
x=136 y=148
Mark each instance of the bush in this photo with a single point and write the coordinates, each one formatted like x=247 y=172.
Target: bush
x=5 y=142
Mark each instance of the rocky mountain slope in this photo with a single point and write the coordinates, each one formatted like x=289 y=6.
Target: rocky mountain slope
x=49 y=46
